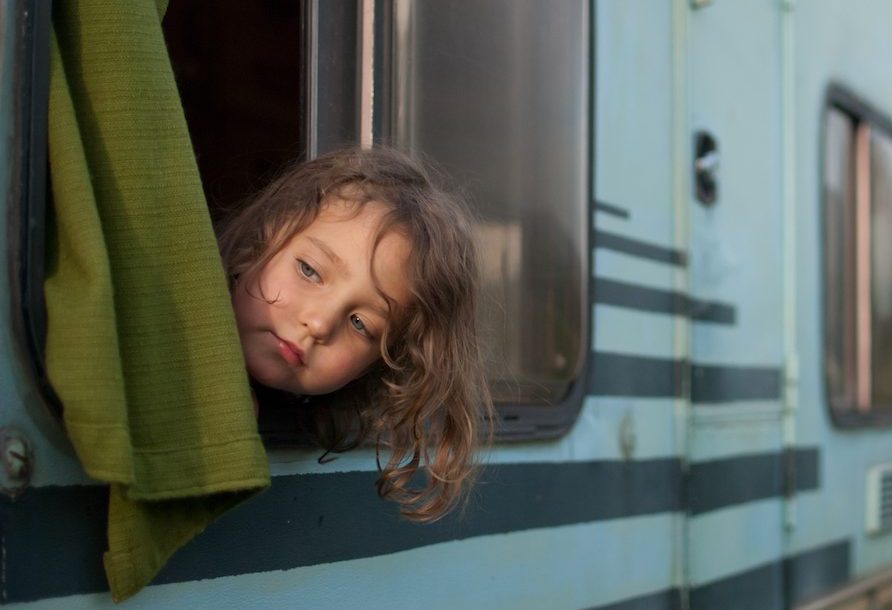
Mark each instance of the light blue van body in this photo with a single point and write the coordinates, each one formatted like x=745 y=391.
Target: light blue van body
x=704 y=469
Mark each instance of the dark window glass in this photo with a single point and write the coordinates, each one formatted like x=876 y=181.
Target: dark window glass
x=475 y=91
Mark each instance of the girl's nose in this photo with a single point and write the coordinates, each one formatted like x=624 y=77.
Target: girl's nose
x=319 y=323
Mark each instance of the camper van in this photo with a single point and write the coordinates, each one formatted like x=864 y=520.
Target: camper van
x=686 y=303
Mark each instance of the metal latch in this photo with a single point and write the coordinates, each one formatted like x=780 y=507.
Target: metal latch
x=706 y=168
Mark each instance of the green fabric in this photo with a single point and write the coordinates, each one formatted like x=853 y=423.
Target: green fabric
x=142 y=347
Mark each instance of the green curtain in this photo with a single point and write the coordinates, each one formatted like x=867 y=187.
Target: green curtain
x=142 y=347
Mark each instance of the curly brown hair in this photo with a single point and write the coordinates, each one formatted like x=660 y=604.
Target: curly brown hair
x=425 y=401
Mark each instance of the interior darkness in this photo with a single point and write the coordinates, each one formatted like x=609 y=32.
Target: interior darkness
x=237 y=66
x=238 y=69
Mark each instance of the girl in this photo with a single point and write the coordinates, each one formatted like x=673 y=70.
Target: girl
x=354 y=285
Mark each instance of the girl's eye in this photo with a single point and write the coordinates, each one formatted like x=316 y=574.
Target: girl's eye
x=307 y=271
x=357 y=323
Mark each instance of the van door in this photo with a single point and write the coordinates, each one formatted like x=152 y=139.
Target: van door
x=735 y=450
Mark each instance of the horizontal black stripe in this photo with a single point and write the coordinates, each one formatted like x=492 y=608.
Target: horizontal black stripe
x=712 y=311
x=641 y=249
x=778 y=585
x=807 y=465
x=670 y=599
x=735 y=480
x=781 y=584
x=310 y=519
x=622 y=375
x=612 y=374
x=55 y=536
x=622 y=294
x=711 y=383
x=613 y=210
x=815 y=572
x=760 y=588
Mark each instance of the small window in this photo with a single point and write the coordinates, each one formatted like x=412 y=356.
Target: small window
x=858 y=260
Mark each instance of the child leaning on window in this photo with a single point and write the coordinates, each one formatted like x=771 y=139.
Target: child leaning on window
x=354 y=281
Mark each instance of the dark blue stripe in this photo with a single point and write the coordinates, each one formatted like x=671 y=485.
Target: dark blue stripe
x=746 y=478
x=622 y=294
x=777 y=585
x=806 y=468
x=815 y=572
x=760 y=588
x=711 y=383
x=641 y=249
x=612 y=374
x=780 y=584
x=670 y=599
x=342 y=519
x=55 y=536
x=613 y=210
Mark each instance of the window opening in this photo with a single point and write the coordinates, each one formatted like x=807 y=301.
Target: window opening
x=857 y=213
x=238 y=70
x=265 y=83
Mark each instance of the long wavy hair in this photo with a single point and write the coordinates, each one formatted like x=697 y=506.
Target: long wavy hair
x=425 y=402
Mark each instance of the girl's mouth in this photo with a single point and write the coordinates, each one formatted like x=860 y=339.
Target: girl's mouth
x=289 y=352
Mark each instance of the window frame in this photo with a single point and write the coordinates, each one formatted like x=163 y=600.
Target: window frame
x=28 y=22
x=847 y=415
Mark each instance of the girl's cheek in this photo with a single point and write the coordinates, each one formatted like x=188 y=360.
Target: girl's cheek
x=240 y=306
x=349 y=366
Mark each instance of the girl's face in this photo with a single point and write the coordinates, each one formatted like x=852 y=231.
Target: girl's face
x=323 y=329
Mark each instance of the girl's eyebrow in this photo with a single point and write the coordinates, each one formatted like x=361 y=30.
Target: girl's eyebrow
x=335 y=259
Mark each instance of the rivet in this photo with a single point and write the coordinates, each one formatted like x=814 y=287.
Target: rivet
x=17 y=460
